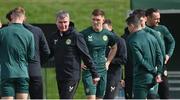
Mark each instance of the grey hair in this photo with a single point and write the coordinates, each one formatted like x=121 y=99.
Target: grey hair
x=62 y=14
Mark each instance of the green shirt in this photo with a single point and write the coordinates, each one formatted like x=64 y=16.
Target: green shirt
x=97 y=43
x=158 y=37
x=16 y=49
x=145 y=56
x=167 y=38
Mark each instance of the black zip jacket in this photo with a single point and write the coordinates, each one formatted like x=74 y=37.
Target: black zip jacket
x=41 y=50
x=68 y=48
x=120 y=58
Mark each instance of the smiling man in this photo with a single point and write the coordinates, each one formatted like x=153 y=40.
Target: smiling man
x=68 y=48
x=97 y=39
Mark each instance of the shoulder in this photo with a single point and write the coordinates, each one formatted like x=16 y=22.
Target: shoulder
x=78 y=35
x=105 y=31
x=32 y=28
x=163 y=29
x=121 y=39
x=4 y=28
x=162 y=26
x=87 y=30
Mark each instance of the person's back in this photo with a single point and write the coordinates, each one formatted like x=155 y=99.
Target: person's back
x=146 y=43
x=158 y=37
x=41 y=48
x=144 y=49
x=15 y=40
x=146 y=57
x=41 y=54
x=17 y=49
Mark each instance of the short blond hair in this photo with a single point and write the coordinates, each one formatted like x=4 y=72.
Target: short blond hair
x=18 y=12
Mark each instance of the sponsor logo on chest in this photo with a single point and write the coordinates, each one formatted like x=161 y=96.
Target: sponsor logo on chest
x=104 y=37
x=90 y=38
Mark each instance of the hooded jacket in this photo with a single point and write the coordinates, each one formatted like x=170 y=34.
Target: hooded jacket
x=68 y=48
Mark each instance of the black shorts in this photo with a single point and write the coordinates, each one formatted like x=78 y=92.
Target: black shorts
x=67 y=88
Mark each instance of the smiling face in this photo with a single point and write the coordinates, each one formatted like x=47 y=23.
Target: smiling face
x=63 y=23
x=97 y=22
x=154 y=19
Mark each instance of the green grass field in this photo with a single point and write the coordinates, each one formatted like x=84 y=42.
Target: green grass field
x=43 y=11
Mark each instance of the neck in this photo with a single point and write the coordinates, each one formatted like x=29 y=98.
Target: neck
x=98 y=29
x=16 y=21
x=148 y=24
x=136 y=29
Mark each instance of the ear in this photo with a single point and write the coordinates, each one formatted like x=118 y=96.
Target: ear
x=103 y=19
x=25 y=18
x=131 y=25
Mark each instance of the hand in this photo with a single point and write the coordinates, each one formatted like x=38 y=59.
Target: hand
x=107 y=65
x=84 y=67
x=96 y=80
x=122 y=83
x=167 y=59
x=158 y=79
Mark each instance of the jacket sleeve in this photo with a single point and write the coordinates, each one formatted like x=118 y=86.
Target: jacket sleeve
x=121 y=54
x=44 y=48
x=84 y=52
x=123 y=51
x=31 y=49
x=159 y=59
x=50 y=41
x=169 y=42
x=160 y=42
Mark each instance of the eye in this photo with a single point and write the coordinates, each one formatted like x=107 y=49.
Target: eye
x=95 y=19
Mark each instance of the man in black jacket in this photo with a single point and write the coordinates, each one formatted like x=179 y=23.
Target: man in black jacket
x=114 y=71
x=41 y=54
x=68 y=48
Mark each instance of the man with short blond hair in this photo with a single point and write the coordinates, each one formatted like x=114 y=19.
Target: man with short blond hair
x=17 y=49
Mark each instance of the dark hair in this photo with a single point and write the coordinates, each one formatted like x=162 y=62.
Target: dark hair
x=97 y=12
x=150 y=11
x=133 y=19
x=8 y=15
x=107 y=21
x=139 y=13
